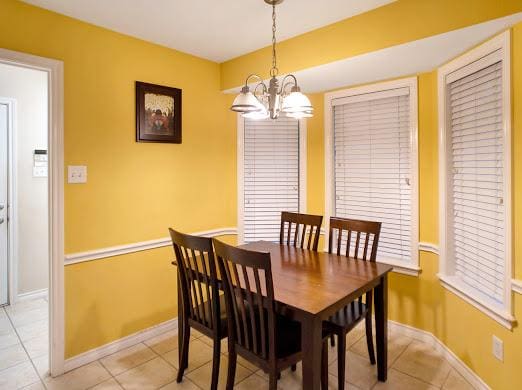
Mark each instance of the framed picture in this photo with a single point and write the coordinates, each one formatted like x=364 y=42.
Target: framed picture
x=158 y=113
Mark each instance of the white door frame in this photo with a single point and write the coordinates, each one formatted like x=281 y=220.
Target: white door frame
x=12 y=220
x=54 y=69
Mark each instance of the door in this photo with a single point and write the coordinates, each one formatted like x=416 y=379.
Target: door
x=4 y=277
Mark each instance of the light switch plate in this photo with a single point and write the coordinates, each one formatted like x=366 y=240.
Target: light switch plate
x=76 y=174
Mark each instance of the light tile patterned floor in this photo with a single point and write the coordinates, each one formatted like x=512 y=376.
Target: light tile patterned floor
x=153 y=363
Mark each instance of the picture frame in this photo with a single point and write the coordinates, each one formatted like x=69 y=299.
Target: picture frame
x=158 y=113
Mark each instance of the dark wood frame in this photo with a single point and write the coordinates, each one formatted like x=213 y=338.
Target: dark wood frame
x=303 y=224
x=349 y=316
x=198 y=288
x=175 y=93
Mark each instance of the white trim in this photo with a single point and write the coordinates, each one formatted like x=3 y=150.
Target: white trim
x=54 y=69
x=117 y=345
x=32 y=295
x=429 y=247
x=240 y=179
x=411 y=84
x=303 y=158
x=516 y=285
x=303 y=173
x=119 y=250
x=12 y=217
x=429 y=338
x=501 y=42
x=501 y=315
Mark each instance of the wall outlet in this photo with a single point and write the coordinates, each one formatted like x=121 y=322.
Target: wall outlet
x=77 y=174
x=498 y=348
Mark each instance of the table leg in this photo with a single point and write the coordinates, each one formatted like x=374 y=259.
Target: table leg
x=381 y=324
x=311 y=346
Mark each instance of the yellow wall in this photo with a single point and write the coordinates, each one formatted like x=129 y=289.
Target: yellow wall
x=393 y=24
x=134 y=190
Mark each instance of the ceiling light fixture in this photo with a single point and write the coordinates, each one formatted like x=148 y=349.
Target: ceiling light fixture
x=269 y=102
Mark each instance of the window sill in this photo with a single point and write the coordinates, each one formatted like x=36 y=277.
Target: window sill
x=500 y=315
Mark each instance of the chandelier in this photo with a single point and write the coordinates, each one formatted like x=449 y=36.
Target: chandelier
x=269 y=102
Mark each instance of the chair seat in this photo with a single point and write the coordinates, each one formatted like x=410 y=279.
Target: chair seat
x=207 y=307
x=346 y=318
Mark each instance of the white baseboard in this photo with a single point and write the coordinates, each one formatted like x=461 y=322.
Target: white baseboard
x=454 y=360
x=31 y=295
x=138 y=337
x=118 y=345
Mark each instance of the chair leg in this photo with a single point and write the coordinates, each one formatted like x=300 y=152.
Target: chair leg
x=341 y=359
x=231 y=374
x=369 y=337
x=183 y=353
x=272 y=385
x=294 y=367
x=332 y=340
x=324 y=366
x=215 y=364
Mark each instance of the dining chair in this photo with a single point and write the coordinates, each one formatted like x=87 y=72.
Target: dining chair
x=296 y=227
x=256 y=333
x=359 y=240
x=203 y=308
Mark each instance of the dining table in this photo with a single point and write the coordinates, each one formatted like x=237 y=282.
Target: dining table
x=310 y=286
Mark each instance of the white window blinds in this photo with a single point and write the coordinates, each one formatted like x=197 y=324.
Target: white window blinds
x=373 y=166
x=271 y=176
x=475 y=153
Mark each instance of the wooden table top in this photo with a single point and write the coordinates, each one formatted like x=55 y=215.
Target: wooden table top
x=317 y=282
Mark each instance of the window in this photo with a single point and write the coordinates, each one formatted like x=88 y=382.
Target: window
x=371 y=158
x=271 y=175
x=475 y=175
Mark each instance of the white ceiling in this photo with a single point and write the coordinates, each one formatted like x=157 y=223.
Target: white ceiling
x=214 y=29
x=402 y=60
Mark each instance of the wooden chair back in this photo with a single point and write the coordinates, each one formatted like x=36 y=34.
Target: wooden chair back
x=295 y=228
x=360 y=241
x=197 y=278
x=249 y=292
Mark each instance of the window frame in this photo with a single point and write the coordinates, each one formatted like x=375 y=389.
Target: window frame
x=413 y=268
x=502 y=42
x=241 y=166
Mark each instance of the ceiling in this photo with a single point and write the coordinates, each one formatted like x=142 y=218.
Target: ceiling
x=407 y=59
x=214 y=29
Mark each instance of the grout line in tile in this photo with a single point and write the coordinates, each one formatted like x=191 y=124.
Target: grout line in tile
x=25 y=350
x=128 y=369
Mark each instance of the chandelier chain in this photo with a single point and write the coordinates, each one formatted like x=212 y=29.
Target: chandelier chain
x=274 y=71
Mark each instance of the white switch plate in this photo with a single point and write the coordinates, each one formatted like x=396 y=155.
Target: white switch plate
x=498 y=348
x=76 y=174
x=40 y=171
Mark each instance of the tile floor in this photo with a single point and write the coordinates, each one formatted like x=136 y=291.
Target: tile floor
x=153 y=363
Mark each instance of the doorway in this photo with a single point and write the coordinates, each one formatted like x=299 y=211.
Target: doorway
x=24 y=233
x=43 y=160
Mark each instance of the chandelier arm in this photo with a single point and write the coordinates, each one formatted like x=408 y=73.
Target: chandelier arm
x=255 y=75
x=258 y=85
x=284 y=84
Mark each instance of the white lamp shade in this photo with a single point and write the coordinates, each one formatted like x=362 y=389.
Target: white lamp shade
x=256 y=115
x=246 y=102
x=300 y=115
x=296 y=102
